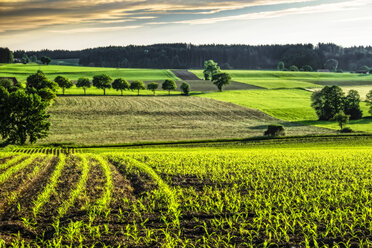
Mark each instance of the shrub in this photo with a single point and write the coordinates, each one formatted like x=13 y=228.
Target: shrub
x=346 y=130
x=293 y=68
x=275 y=130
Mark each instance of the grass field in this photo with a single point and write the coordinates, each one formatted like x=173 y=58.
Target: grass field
x=287 y=195
x=116 y=119
x=21 y=72
x=287 y=104
x=278 y=79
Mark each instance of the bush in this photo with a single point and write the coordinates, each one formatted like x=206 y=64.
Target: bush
x=275 y=130
x=346 y=130
x=293 y=68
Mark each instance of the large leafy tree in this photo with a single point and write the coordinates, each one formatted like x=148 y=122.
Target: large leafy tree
x=221 y=79
x=38 y=83
x=103 y=82
x=169 y=85
x=137 y=85
x=84 y=83
x=153 y=87
x=6 y=56
x=23 y=115
x=210 y=68
x=120 y=84
x=185 y=87
x=352 y=105
x=328 y=102
x=64 y=83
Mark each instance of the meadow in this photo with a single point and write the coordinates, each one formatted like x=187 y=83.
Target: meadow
x=235 y=196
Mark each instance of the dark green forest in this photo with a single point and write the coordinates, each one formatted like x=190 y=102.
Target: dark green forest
x=228 y=56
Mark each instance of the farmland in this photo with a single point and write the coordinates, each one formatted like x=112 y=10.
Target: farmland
x=240 y=195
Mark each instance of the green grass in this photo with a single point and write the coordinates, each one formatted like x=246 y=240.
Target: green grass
x=279 y=79
x=21 y=72
x=287 y=104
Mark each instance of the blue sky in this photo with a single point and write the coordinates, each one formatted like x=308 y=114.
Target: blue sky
x=78 y=24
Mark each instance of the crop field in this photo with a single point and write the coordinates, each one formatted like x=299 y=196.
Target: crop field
x=189 y=197
x=115 y=119
x=21 y=72
x=278 y=79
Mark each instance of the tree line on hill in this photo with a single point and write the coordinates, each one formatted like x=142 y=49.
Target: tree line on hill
x=183 y=56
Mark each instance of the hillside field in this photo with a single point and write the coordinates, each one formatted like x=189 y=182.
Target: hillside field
x=288 y=194
x=116 y=119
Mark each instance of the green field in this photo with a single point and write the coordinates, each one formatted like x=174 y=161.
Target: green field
x=21 y=72
x=277 y=193
x=279 y=79
x=287 y=104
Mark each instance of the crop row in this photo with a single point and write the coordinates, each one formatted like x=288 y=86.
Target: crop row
x=53 y=151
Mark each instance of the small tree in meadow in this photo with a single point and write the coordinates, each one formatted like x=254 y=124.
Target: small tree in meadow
x=185 y=87
x=341 y=119
x=45 y=60
x=221 y=79
x=280 y=66
x=103 y=82
x=63 y=83
x=169 y=85
x=84 y=83
x=137 y=85
x=153 y=87
x=120 y=84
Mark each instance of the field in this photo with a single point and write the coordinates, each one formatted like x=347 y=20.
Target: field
x=287 y=104
x=278 y=79
x=21 y=72
x=259 y=195
x=115 y=119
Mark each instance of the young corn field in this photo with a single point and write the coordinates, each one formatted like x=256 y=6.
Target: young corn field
x=236 y=197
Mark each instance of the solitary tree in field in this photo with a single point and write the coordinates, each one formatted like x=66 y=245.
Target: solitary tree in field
x=331 y=65
x=221 y=79
x=40 y=84
x=153 y=87
x=281 y=66
x=23 y=116
x=120 y=84
x=137 y=85
x=103 y=82
x=45 y=60
x=210 y=68
x=64 y=83
x=352 y=105
x=341 y=118
x=185 y=87
x=84 y=83
x=169 y=85
x=369 y=101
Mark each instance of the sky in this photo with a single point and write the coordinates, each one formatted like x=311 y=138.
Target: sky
x=79 y=24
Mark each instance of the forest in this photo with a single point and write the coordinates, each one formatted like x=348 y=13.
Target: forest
x=182 y=55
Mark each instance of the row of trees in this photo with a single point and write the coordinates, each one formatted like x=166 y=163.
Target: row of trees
x=330 y=64
x=183 y=55
x=104 y=82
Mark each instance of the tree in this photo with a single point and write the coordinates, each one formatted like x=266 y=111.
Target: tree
x=120 y=84
x=352 y=105
x=280 y=66
x=45 y=60
x=25 y=59
x=103 y=82
x=185 y=87
x=9 y=85
x=22 y=115
x=369 y=101
x=137 y=85
x=38 y=83
x=293 y=68
x=328 y=102
x=153 y=87
x=63 y=83
x=33 y=59
x=341 y=118
x=210 y=68
x=275 y=130
x=169 y=85
x=84 y=83
x=331 y=64
x=221 y=79
x=307 y=68
x=6 y=56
